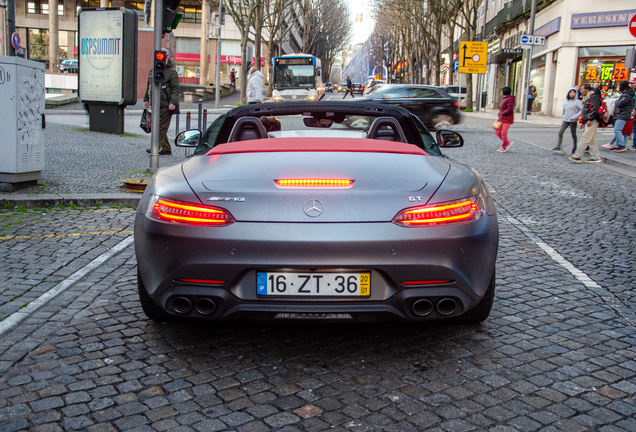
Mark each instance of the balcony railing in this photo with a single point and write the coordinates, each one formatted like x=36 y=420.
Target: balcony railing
x=512 y=11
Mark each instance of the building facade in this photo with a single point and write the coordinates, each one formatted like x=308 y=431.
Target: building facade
x=32 y=24
x=585 y=42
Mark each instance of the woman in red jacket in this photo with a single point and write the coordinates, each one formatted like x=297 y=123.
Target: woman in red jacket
x=506 y=117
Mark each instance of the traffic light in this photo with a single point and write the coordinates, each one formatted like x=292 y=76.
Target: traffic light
x=159 y=65
x=171 y=18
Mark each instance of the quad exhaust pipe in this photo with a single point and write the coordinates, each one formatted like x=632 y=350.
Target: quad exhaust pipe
x=446 y=306
x=423 y=307
x=183 y=305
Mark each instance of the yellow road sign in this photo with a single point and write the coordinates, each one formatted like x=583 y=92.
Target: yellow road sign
x=473 y=57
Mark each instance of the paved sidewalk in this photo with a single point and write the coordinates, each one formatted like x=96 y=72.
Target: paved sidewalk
x=625 y=160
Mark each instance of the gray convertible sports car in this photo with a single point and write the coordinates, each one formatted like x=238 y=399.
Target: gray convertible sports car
x=323 y=211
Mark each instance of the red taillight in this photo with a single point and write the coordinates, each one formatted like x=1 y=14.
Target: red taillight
x=428 y=282
x=179 y=212
x=303 y=183
x=442 y=213
x=203 y=281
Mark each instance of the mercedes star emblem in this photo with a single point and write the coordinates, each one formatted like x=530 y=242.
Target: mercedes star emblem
x=313 y=208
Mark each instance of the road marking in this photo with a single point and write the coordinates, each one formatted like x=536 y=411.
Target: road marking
x=64 y=235
x=581 y=276
x=17 y=317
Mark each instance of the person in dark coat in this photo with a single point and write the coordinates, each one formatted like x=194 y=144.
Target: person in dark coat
x=506 y=117
x=589 y=118
x=349 y=88
x=622 y=114
x=169 y=100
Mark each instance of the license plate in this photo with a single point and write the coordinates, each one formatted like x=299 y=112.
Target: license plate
x=313 y=284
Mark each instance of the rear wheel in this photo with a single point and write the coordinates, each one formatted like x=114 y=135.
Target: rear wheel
x=480 y=312
x=149 y=307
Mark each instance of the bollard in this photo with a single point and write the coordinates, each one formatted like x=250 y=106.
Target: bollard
x=205 y=120
x=176 y=127
x=188 y=119
x=200 y=113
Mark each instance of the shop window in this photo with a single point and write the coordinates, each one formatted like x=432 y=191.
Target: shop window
x=42 y=7
x=607 y=72
x=191 y=10
x=89 y=4
x=38 y=44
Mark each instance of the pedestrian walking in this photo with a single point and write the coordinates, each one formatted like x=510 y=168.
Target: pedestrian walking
x=349 y=89
x=589 y=119
x=571 y=113
x=233 y=78
x=623 y=109
x=506 y=118
x=254 y=86
x=532 y=95
x=169 y=100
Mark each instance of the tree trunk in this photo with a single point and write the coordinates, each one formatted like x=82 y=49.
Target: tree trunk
x=244 y=65
x=270 y=48
x=258 y=34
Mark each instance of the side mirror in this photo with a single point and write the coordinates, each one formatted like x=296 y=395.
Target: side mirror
x=189 y=138
x=449 y=139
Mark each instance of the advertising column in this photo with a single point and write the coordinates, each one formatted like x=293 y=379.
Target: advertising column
x=107 y=65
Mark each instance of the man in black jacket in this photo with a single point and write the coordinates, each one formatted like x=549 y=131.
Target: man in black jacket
x=589 y=118
x=169 y=101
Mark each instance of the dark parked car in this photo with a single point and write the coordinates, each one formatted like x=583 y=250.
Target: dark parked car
x=343 y=212
x=432 y=105
x=358 y=88
x=69 y=66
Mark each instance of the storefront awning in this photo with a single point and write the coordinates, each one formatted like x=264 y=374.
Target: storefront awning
x=506 y=55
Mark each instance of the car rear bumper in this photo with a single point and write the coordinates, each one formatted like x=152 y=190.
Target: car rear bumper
x=463 y=254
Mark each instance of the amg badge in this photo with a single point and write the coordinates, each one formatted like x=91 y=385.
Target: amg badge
x=232 y=199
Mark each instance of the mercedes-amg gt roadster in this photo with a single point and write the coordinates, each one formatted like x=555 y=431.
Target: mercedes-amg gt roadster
x=319 y=211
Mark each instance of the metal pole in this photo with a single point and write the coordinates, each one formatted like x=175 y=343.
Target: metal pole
x=200 y=116
x=217 y=85
x=156 y=93
x=205 y=120
x=188 y=120
x=11 y=20
x=526 y=84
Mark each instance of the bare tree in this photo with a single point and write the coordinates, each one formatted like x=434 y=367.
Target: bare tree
x=243 y=13
x=277 y=22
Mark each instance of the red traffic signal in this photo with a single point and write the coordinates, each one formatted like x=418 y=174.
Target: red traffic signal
x=159 y=66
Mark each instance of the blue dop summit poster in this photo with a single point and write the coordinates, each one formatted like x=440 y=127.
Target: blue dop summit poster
x=100 y=55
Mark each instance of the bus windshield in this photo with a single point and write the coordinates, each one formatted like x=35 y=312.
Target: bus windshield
x=288 y=76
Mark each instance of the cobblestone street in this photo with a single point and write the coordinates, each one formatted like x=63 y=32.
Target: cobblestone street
x=558 y=352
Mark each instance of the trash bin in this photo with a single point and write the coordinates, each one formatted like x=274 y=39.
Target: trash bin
x=484 y=98
x=21 y=121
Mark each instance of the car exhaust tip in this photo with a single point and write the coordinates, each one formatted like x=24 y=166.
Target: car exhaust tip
x=446 y=306
x=181 y=305
x=422 y=307
x=205 y=306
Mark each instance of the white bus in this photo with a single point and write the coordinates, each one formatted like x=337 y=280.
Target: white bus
x=297 y=77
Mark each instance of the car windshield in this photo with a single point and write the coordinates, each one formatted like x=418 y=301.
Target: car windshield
x=328 y=125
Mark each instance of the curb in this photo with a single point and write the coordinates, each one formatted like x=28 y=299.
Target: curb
x=51 y=200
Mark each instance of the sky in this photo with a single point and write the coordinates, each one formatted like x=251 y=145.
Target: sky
x=361 y=30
